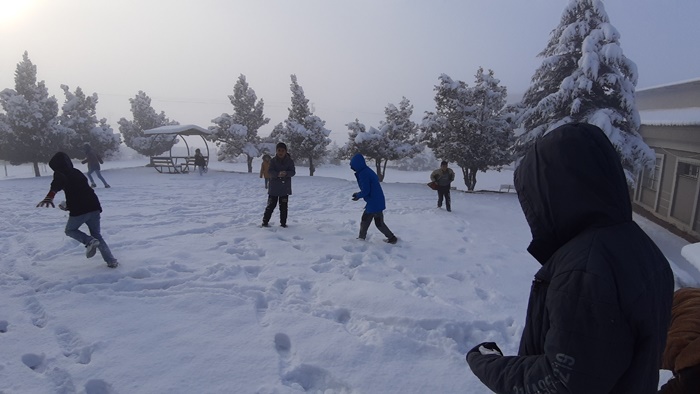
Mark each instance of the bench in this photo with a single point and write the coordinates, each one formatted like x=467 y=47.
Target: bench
x=507 y=188
x=169 y=164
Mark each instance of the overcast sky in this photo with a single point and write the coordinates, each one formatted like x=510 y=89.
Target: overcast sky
x=352 y=57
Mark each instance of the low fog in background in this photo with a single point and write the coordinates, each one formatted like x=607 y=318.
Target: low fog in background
x=352 y=57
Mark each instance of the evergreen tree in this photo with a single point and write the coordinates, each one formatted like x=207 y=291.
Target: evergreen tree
x=238 y=133
x=304 y=132
x=31 y=133
x=585 y=77
x=470 y=126
x=79 y=115
x=400 y=137
x=350 y=147
x=396 y=138
x=145 y=118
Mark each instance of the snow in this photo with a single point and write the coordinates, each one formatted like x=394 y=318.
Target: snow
x=689 y=116
x=692 y=254
x=206 y=301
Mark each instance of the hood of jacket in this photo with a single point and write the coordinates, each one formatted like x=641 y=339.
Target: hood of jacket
x=358 y=163
x=569 y=181
x=60 y=162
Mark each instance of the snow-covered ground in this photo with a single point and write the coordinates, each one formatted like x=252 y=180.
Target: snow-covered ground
x=207 y=301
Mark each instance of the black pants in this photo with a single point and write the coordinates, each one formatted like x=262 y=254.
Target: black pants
x=272 y=203
x=444 y=191
x=378 y=221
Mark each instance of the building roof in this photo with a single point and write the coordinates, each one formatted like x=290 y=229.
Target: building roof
x=185 y=129
x=671 y=117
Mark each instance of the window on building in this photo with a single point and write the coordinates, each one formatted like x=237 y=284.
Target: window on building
x=688 y=170
x=651 y=178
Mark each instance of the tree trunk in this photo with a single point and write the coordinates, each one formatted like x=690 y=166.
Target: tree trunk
x=378 y=166
x=384 y=170
x=469 y=175
x=249 y=159
x=471 y=179
x=312 y=169
x=36 y=169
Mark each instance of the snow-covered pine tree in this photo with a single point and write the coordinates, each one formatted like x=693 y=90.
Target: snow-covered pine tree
x=304 y=132
x=145 y=118
x=396 y=138
x=400 y=135
x=79 y=115
x=585 y=77
x=31 y=133
x=237 y=134
x=470 y=125
x=354 y=129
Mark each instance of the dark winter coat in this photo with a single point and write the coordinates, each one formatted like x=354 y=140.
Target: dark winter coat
x=80 y=197
x=443 y=178
x=199 y=160
x=370 y=188
x=281 y=186
x=600 y=306
x=92 y=159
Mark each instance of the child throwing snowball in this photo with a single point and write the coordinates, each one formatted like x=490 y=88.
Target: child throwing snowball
x=82 y=205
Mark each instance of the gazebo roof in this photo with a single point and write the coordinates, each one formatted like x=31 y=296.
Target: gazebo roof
x=185 y=129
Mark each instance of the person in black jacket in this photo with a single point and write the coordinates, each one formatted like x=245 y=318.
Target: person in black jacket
x=600 y=306
x=93 y=161
x=281 y=171
x=81 y=203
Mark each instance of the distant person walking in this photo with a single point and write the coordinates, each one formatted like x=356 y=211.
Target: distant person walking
x=199 y=162
x=443 y=176
x=82 y=205
x=371 y=192
x=264 y=167
x=281 y=171
x=93 y=161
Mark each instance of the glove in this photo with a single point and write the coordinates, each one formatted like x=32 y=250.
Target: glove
x=48 y=200
x=354 y=197
x=485 y=349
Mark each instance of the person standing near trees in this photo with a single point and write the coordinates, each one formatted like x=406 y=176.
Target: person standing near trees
x=281 y=171
x=370 y=191
x=93 y=161
x=443 y=176
x=264 y=167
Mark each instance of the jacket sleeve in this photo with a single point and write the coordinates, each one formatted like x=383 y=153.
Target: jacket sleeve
x=365 y=186
x=452 y=175
x=434 y=176
x=291 y=170
x=587 y=348
x=58 y=182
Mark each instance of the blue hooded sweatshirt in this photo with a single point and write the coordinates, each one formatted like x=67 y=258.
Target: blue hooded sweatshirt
x=370 y=189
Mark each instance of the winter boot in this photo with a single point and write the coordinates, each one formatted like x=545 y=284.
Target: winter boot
x=91 y=248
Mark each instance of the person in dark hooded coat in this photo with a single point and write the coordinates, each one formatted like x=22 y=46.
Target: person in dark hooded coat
x=82 y=205
x=600 y=306
x=93 y=161
x=370 y=191
x=280 y=171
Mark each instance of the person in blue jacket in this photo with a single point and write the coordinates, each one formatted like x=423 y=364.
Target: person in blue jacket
x=371 y=192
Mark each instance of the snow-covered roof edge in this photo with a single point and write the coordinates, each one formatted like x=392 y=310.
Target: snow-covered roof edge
x=185 y=129
x=671 y=117
x=669 y=84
